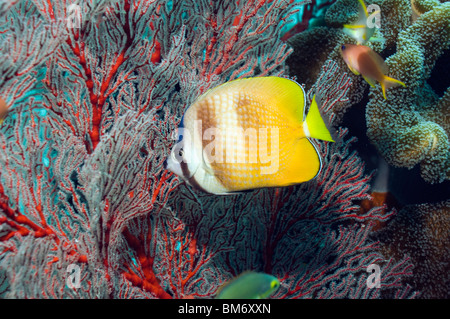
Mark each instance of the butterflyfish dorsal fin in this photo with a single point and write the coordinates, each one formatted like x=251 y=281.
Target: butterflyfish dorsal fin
x=282 y=94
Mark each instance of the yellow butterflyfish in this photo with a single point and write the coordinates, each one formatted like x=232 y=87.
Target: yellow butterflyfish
x=246 y=134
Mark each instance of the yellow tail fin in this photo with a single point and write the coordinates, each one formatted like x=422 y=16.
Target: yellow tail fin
x=389 y=82
x=314 y=126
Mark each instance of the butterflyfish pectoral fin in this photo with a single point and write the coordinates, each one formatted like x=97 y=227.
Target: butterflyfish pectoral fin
x=284 y=94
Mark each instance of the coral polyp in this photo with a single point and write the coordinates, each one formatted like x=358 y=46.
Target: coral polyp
x=413 y=127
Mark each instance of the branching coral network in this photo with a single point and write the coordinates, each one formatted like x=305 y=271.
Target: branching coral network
x=413 y=126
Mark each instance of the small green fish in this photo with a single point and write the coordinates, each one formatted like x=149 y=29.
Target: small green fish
x=249 y=285
x=359 y=30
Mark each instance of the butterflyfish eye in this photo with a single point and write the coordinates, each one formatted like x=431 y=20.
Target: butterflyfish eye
x=177 y=155
x=343 y=47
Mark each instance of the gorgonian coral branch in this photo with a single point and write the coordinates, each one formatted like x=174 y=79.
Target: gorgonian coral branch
x=84 y=145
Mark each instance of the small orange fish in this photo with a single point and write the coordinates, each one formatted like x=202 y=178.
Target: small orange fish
x=3 y=109
x=363 y=60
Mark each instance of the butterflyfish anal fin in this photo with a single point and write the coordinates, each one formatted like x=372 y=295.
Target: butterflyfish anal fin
x=303 y=163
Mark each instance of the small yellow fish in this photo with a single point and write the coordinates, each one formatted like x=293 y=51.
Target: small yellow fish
x=249 y=285
x=3 y=109
x=359 y=30
x=246 y=134
x=363 y=60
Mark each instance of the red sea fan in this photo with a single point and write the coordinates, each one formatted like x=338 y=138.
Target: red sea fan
x=95 y=89
x=87 y=210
